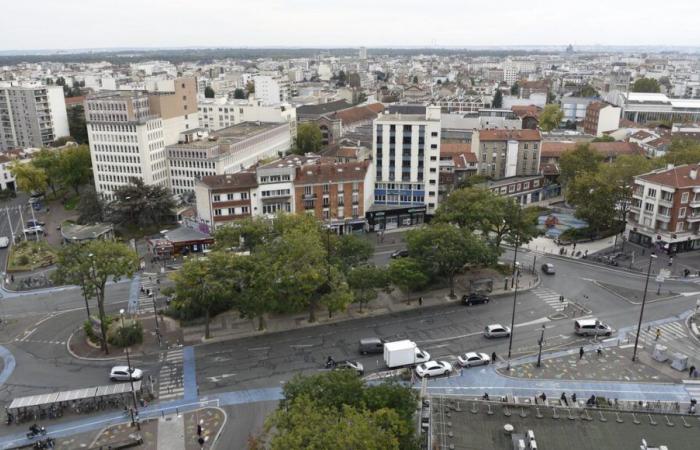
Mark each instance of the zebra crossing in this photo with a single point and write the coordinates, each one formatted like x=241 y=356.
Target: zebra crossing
x=170 y=379
x=692 y=388
x=669 y=332
x=148 y=284
x=550 y=297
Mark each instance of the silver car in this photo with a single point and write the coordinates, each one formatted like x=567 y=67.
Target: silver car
x=496 y=330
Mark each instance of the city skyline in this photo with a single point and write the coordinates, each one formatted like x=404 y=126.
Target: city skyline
x=274 y=23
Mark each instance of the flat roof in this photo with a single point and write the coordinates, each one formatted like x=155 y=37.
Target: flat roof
x=246 y=130
x=394 y=117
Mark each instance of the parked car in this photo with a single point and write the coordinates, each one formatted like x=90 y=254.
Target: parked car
x=4 y=242
x=548 y=268
x=371 y=345
x=434 y=369
x=472 y=359
x=496 y=330
x=121 y=373
x=399 y=254
x=475 y=299
x=350 y=365
x=34 y=229
x=34 y=223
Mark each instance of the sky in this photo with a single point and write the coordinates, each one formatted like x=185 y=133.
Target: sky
x=79 y=24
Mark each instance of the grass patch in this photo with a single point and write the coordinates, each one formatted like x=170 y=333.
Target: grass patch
x=30 y=255
x=71 y=203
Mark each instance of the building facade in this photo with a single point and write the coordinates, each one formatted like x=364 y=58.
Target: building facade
x=665 y=209
x=406 y=152
x=600 y=118
x=31 y=116
x=225 y=198
x=507 y=153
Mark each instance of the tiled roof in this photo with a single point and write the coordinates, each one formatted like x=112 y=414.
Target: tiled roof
x=596 y=106
x=323 y=108
x=359 y=113
x=678 y=177
x=526 y=110
x=454 y=147
x=237 y=180
x=506 y=135
x=335 y=172
x=608 y=149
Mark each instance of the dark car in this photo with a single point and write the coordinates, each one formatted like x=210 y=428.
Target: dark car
x=548 y=268
x=475 y=299
x=34 y=223
x=371 y=345
x=399 y=254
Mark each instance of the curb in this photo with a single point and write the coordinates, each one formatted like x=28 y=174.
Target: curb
x=83 y=358
x=690 y=331
x=221 y=428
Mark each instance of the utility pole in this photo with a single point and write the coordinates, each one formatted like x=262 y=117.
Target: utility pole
x=131 y=380
x=652 y=257
x=515 y=292
x=540 y=342
x=9 y=221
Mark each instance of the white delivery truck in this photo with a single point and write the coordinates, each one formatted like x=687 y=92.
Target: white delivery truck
x=403 y=353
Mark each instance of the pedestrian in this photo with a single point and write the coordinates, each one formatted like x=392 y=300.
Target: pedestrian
x=658 y=334
x=580 y=353
x=199 y=429
x=574 y=247
x=599 y=350
x=420 y=301
x=493 y=358
x=12 y=278
x=670 y=261
x=691 y=370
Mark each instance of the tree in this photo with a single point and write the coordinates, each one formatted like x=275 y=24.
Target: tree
x=332 y=389
x=364 y=281
x=407 y=274
x=90 y=207
x=239 y=93
x=75 y=167
x=350 y=251
x=604 y=138
x=309 y=138
x=682 y=151
x=139 y=204
x=93 y=264
x=588 y=91
x=583 y=158
x=444 y=250
x=47 y=160
x=415 y=79
x=497 y=99
x=250 y=87
x=646 y=85
x=469 y=208
x=551 y=117
x=341 y=78
x=514 y=225
x=76 y=124
x=209 y=92
x=515 y=89
x=29 y=177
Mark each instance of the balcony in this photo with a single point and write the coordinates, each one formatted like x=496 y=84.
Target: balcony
x=666 y=201
x=309 y=196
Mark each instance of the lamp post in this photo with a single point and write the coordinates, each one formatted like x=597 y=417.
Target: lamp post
x=540 y=342
x=155 y=293
x=516 y=274
x=131 y=379
x=652 y=257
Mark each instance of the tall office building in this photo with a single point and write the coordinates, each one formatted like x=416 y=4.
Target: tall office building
x=362 y=53
x=128 y=132
x=406 y=149
x=31 y=116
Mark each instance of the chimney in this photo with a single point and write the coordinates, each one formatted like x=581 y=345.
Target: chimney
x=693 y=174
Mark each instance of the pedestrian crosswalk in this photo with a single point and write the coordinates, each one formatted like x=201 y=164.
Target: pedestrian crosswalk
x=667 y=332
x=551 y=298
x=693 y=389
x=149 y=288
x=170 y=384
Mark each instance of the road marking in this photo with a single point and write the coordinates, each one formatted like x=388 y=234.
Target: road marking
x=533 y=322
x=258 y=349
x=301 y=345
x=221 y=377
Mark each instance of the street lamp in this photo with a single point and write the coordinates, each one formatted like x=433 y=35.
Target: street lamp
x=155 y=293
x=652 y=257
x=540 y=342
x=516 y=274
x=131 y=378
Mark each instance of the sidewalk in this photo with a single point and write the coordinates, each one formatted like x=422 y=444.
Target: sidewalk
x=229 y=325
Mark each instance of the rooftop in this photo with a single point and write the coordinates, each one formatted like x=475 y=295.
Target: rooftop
x=554 y=149
x=239 y=180
x=323 y=108
x=677 y=177
x=507 y=135
x=511 y=180
x=247 y=130
x=335 y=172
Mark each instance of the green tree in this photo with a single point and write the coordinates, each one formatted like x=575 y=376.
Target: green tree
x=75 y=167
x=239 y=93
x=76 y=124
x=497 y=99
x=139 y=204
x=588 y=91
x=583 y=158
x=90 y=207
x=330 y=389
x=646 y=85
x=551 y=117
x=468 y=208
x=407 y=274
x=515 y=89
x=513 y=224
x=48 y=161
x=246 y=234
x=349 y=251
x=682 y=151
x=415 y=79
x=365 y=281
x=93 y=264
x=29 y=177
x=309 y=138
x=444 y=250
x=209 y=92
x=604 y=138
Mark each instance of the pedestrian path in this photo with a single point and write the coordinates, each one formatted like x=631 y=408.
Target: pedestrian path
x=693 y=389
x=170 y=383
x=146 y=292
x=669 y=332
x=550 y=297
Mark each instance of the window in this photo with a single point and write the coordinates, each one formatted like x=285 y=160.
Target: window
x=526 y=185
x=217 y=198
x=649 y=207
x=511 y=188
x=245 y=210
x=217 y=212
x=681 y=213
x=536 y=183
x=326 y=188
x=684 y=197
x=651 y=193
x=244 y=196
x=434 y=134
x=680 y=226
x=307 y=190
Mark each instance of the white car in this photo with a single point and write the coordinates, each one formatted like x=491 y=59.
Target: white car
x=4 y=242
x=496 y=330
x=433 y=369
x=34 y=229
x=121 y=373
x=472 y=359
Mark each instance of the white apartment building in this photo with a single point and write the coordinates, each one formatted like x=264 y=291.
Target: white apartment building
x=406 y=150
x=31 y=115
x=271 y=90
x=215 y=114
x=229 y=150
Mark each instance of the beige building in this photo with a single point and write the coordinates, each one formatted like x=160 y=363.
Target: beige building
x=507 y=153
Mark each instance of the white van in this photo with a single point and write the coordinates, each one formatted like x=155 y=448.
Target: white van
x=591 y=327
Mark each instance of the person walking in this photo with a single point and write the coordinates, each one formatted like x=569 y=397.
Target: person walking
x=658 y=334
x=493 y=358
x=580 y=353
x=691 y=371
x=599 y=350
x=420 y=301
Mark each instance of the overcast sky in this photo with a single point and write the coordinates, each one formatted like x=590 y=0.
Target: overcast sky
x=68 y=24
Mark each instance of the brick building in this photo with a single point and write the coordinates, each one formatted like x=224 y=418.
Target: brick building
x=507 y=153
x=225 y=198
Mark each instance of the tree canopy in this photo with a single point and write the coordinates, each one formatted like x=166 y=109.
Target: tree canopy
x=209 y=92
x=551 y=117
x=29 y=177
x=141 y=205
x=309 y=138
x=582 y=159
x=497 y=99
x=649 y=85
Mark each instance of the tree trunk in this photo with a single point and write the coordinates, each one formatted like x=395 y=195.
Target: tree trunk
x=452 y=285
x=101 y=308
x=76 y=188
x=207 y=319
x=312 y=311
x=261 y=322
